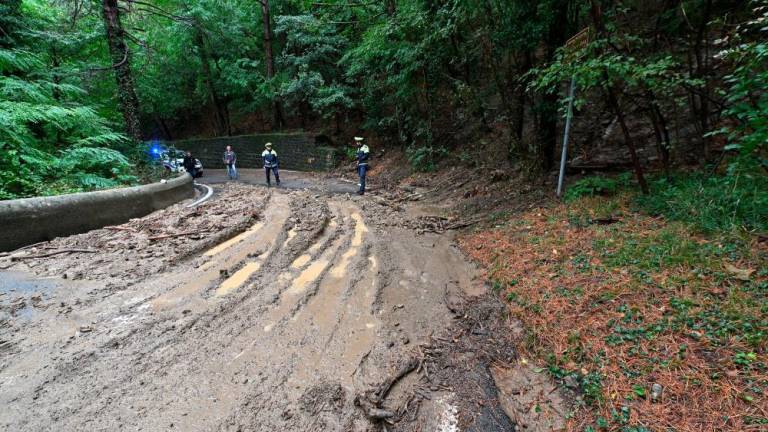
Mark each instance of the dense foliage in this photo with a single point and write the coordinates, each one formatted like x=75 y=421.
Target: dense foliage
x=685 y=79
x=52 y=135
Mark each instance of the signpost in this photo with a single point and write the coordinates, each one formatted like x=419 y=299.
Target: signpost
x=573 y=47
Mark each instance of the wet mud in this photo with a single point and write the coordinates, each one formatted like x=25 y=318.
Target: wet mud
x=278 y=311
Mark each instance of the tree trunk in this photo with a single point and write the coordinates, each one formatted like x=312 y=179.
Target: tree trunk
x=548 y=117
x=391 y=7
x=661 y=133
x=222 y=121
x=121 y=63
x=521 y=95
x=701 y=101
x=164 y=127
x=614 y=102
x=610 y=89
x=270 y=60
x=546 y=127
x=337 y=118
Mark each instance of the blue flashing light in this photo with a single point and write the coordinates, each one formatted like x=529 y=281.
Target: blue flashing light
x=155 y=149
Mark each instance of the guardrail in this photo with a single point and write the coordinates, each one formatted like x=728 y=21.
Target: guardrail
x=31 y=220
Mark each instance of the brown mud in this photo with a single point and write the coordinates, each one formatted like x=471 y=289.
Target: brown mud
x=273 y=310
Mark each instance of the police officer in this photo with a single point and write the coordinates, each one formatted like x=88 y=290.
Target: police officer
x=362 y=162
x=270 y=164
x=189 y=164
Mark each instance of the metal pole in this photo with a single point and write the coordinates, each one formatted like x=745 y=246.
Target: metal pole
x=568 y=118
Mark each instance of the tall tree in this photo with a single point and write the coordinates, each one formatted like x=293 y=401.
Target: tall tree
x=612 y=92
x=269 y=59
x=121 y=64
x=557 y=34
x=222 y=115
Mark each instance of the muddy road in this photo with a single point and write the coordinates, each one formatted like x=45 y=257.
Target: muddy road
x=259 y=310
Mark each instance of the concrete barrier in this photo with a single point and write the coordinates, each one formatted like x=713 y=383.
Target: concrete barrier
x=31 y=220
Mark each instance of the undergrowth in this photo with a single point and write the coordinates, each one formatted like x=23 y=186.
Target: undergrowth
x=620 y=299
x=711 y=203
x=706 y=203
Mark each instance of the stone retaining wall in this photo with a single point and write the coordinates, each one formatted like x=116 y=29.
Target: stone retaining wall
x=296 y=151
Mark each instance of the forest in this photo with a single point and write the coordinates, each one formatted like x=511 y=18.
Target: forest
x=641 y=293
x=85 y=83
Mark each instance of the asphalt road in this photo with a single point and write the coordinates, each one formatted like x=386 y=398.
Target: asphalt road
x=295 y=180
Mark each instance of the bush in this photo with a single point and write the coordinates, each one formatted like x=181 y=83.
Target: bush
x=711 y=204
x=596 y=185
x=425 y=158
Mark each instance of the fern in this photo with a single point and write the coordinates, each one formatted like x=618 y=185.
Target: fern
x=39 y=116
x=19 y=61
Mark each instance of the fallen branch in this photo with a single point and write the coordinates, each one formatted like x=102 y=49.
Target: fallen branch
x=458 y=225
x=605 y=221
x=25 y=247
x=119 y=228
x=371 y=402
x=386 y=386
x=23 y=257
x=165 y=236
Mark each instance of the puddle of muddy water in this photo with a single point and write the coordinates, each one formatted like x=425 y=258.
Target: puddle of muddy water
x=307 y=277
x=34 y=293
x=301 y=261
x=332 y=225
x=234 y=240
x=260 y=238
x=237 y=279
x=19 y=283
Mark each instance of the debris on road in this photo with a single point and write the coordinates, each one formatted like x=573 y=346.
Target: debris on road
x=272 y=309
x=127 y=253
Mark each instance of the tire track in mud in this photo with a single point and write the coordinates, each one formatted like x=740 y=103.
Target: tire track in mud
x=134 y=345
x=275 y=329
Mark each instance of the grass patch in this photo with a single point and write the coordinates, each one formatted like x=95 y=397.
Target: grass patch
x=711 y=204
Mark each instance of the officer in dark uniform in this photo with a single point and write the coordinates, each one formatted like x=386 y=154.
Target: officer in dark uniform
x=270 y=164
x=189 y=164
x=362 y=162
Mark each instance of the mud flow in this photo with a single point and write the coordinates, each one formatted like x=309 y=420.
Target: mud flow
x=257 y=311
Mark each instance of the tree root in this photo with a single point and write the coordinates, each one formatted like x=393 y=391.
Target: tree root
x=371 y=402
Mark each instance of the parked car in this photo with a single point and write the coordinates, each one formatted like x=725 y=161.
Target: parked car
x=173 y=161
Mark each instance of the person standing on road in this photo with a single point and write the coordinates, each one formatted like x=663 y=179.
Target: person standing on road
x=189 y=164
x=362 y=162
x=230 y=159
x=270 y=164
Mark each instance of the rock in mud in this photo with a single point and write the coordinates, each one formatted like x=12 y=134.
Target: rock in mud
x=656 y=391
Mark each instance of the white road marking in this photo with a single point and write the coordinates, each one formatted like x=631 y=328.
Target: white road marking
x=204 y=198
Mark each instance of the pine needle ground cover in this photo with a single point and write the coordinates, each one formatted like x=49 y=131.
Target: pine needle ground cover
x=661 y=329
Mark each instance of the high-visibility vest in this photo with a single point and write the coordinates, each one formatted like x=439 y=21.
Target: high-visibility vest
x=362 y=155
x=270 y=158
